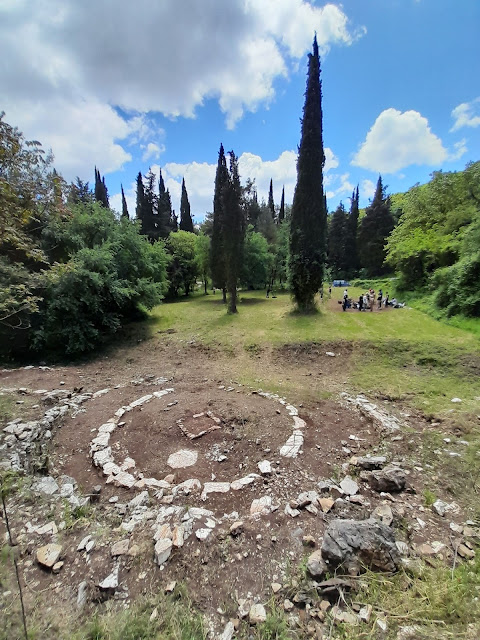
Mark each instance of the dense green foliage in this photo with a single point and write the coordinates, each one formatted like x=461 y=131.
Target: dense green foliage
x=436 y=243
x=105 y=274
x=70 y=271
x=257 y=261
x=308 y=223
x=375 y=227
x=183 y=265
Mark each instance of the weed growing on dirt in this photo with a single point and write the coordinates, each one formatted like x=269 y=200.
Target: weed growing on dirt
x=428 y=497
x=156 y=618
x=6 y=409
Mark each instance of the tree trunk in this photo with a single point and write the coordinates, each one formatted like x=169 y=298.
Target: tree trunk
x=232 y=301
x=224 y=293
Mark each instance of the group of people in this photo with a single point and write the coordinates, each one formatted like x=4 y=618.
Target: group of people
x=367 y=300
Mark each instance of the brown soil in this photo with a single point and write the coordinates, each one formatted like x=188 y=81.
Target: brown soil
x=252 y=428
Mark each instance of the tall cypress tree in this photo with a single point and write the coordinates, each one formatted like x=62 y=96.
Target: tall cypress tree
x=186 y=223
x=375 y=227
x=233 y=231
x=281 y=213
x=150 y=207
x=351 y=231
x=101 y=192
x=271 y=203
x=140 y=208
x=164 y=209
x=173 y=218
x=337 y=242
x=124 y=205
x=217 y=252
x=308 y=221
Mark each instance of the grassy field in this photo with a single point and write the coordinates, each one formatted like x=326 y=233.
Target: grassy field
x=402 y=353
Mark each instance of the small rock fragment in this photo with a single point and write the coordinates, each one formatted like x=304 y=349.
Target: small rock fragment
x=257 y=614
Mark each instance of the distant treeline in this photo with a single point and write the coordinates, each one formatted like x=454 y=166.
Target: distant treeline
x=72 y=270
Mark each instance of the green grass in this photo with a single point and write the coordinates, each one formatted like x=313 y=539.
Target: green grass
x=262 y=320
x=402 y=353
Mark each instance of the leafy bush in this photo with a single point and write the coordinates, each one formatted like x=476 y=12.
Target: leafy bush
x=116 y=272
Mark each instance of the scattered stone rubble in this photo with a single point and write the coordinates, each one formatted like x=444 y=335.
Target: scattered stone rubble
x=348 y=545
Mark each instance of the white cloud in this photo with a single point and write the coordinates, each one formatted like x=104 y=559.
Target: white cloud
x=344 y=187
x=61 y=62
x=397 y=140
x=464 y=115
x=200 y=180
x=152 y=150
x=367 y=189
x=460 y=150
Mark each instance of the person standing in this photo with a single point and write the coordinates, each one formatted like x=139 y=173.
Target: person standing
x=360 y=302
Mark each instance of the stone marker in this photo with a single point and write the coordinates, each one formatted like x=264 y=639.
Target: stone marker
x=181 y=459
x=49 y=555
x=163 y=549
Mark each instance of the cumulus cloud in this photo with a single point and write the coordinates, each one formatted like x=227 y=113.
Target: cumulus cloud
x=152 y=150
x=460 y=149
x=339 y=185
x=397 y=140
x=465 y=115
x=61 y=57
x=200 y=180
x=367 y=189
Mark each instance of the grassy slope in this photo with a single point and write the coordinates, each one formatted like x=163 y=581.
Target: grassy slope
x=400 y=352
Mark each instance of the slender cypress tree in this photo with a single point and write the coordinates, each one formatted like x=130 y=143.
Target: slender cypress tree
x=281 y=213
x=351 y=230
x=124 y=205
x=164 y=209
x=173 y=218
x=271 y=203
x=337 y=242
x=140 y=208
x=186 y=223
x=233 y=231
x=308 y=221
x=101 y=192
x=217 y=251
x=375 y=227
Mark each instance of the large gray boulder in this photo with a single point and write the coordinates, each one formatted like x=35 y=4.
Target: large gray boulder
x=357 y=544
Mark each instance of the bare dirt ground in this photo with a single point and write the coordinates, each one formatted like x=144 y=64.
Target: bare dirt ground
x=220 y=569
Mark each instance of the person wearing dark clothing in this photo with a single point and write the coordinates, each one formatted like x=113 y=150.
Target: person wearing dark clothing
x=360 y=302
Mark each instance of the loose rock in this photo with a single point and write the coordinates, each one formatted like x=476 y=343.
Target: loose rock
x=354 y=544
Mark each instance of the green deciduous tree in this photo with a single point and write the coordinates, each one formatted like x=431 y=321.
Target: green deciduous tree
x=308 y=218
x=375 y=227
x=183 y=266
x=257 y=260
x=202 y=257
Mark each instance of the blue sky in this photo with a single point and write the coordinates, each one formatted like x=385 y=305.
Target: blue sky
x=125 y=86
